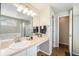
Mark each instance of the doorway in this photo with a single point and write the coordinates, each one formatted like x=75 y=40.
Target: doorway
x=63 y=49
x=64 y=34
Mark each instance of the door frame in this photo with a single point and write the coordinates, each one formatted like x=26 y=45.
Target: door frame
x=70 y=31
x=59 y=27
x=52 y=38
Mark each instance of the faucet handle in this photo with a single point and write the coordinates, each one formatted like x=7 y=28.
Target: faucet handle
x=17 y=38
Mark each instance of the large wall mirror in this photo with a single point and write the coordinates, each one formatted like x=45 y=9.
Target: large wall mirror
x=10 y=25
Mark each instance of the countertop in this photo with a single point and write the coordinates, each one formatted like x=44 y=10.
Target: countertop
x=24 y=44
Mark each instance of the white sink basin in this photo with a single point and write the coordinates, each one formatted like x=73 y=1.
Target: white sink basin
x=19 y=45
x=14 y=47
x=5 y=51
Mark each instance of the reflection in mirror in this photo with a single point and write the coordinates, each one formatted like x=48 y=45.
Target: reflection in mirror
x=13 y=25
x=9 y=25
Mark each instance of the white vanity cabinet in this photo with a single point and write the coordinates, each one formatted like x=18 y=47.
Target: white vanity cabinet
x=32 y=51
x=22 y=53
x=25 y=48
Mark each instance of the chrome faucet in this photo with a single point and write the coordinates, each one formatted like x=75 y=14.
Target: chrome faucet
x=17 y=39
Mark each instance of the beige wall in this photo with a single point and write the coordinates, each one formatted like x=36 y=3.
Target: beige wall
x=42 y=17
x=35 y=21
x=64 y=30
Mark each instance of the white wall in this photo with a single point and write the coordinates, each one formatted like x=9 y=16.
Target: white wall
x=57 y=31
x=44 y=17
x=36 y=20
x=52 y=29
x=65 y=13
x=76 y=30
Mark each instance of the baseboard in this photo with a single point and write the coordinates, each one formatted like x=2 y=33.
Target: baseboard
x=45 y=52
x=38 y=50
x=75 y=54
x=55 y=46
x=64 y=43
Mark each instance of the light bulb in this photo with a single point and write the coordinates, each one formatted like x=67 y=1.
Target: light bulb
x=33 y=14
x=25 y=11
x=19 y=9
x=30 y=12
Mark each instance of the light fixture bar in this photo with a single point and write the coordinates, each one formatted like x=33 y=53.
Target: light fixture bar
x=25 y=9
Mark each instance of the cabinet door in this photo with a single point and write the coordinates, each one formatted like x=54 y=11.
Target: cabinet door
x=32 y=51
x=22 y=53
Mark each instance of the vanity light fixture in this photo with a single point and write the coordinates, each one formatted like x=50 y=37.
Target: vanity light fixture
x=29 y=12
x=19 y=9
x=25 y=11
x=33 y=14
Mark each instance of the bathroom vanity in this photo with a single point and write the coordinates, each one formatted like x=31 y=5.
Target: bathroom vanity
x=21 y=25
x=25 y=47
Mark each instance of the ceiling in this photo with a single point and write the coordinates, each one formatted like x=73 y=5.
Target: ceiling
x=39 y=6
x=58 y=7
